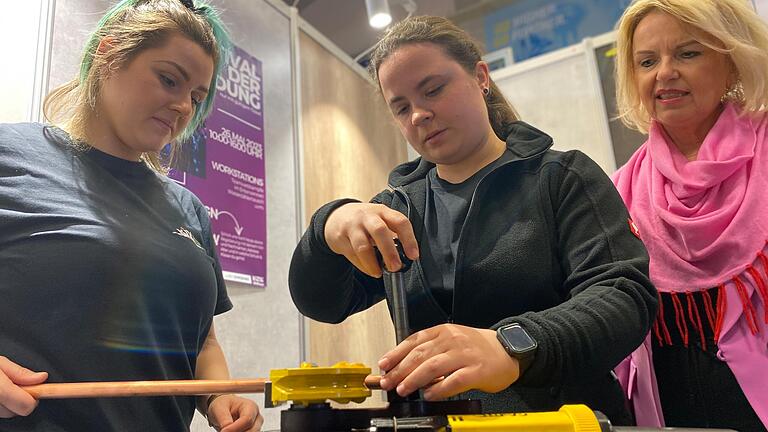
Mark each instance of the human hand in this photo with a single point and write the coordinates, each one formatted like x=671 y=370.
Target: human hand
x=467 y=357
x=231 y=413
x=13 y=400
x=353 y=229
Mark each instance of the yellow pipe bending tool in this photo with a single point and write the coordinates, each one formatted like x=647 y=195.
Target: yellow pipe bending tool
x=308 y=384
x=570 y=418
x=309 y=388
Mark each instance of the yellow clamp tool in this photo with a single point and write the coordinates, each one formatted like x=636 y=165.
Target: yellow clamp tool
x=308 y=384
x=570 y=418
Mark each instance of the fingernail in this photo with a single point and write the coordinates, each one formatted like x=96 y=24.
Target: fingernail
x=384 y=383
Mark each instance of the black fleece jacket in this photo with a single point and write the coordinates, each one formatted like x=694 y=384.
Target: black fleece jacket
x=546 y=243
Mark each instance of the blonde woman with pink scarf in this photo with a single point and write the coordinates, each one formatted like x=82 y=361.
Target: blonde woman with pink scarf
x=693 y=75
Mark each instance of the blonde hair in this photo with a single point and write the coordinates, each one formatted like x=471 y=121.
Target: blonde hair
x=730 y=27
x=137 y=25
x=458 y=45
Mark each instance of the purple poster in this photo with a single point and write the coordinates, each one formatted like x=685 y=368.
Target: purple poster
x=223 y=164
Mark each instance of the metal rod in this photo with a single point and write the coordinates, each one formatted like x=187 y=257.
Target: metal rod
x=399 y=306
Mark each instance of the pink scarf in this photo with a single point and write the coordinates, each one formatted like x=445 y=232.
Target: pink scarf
x=702 y=221
x=704 y=224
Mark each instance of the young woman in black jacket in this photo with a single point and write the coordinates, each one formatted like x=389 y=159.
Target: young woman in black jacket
x=511 y=241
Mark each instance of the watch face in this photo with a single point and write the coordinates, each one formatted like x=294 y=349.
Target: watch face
x=518 y=339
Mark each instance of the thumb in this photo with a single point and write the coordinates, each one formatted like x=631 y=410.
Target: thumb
x=219 y=413
x=20 y=375
x=30 y=378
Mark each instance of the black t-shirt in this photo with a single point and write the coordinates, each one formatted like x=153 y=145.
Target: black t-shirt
x=107 y=273
x=446 y=211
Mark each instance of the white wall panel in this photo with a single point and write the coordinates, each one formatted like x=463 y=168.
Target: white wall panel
x=558 y=93
x=762 y=8
x=19 y=31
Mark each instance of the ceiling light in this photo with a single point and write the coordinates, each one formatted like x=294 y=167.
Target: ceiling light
x=378 y=13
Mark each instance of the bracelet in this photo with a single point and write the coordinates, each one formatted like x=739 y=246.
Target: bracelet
x=210 y=400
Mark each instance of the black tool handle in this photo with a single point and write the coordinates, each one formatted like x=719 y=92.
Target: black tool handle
x=399 y=301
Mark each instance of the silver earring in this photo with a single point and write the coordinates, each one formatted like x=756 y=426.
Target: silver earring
x=486 y=91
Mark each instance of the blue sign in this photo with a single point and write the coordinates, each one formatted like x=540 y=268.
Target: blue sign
x=533 y=27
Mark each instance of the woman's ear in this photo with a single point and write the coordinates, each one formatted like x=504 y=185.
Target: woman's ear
x=482 y=75
x=104 y=58
x=106 y=44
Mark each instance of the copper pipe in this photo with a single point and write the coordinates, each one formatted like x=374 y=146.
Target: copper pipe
x=157 y=388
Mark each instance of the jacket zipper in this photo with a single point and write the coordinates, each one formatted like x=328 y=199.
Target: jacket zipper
x=459 y=248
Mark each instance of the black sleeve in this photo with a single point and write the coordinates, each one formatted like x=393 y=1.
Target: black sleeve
x=325 y=286
x=611 y=302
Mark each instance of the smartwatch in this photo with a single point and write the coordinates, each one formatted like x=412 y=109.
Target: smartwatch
x=518 y=344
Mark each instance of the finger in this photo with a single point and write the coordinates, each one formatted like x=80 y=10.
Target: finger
x=19 y=374
x=245 y=412
x=383 y=237
x=247 y=423
x=14 y=400
x=420 y=354
x=363 y=255
x=427 y=371
x=241 y=424
x=455 y=383
x=256 y=426
x=401 y=226
x=258 y=423
x=336 y=226
x=6 y=413
x=32 y=378
x=389 y=360
x=219 y=413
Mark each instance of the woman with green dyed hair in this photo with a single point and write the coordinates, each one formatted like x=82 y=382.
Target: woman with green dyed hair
x=108 y=269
